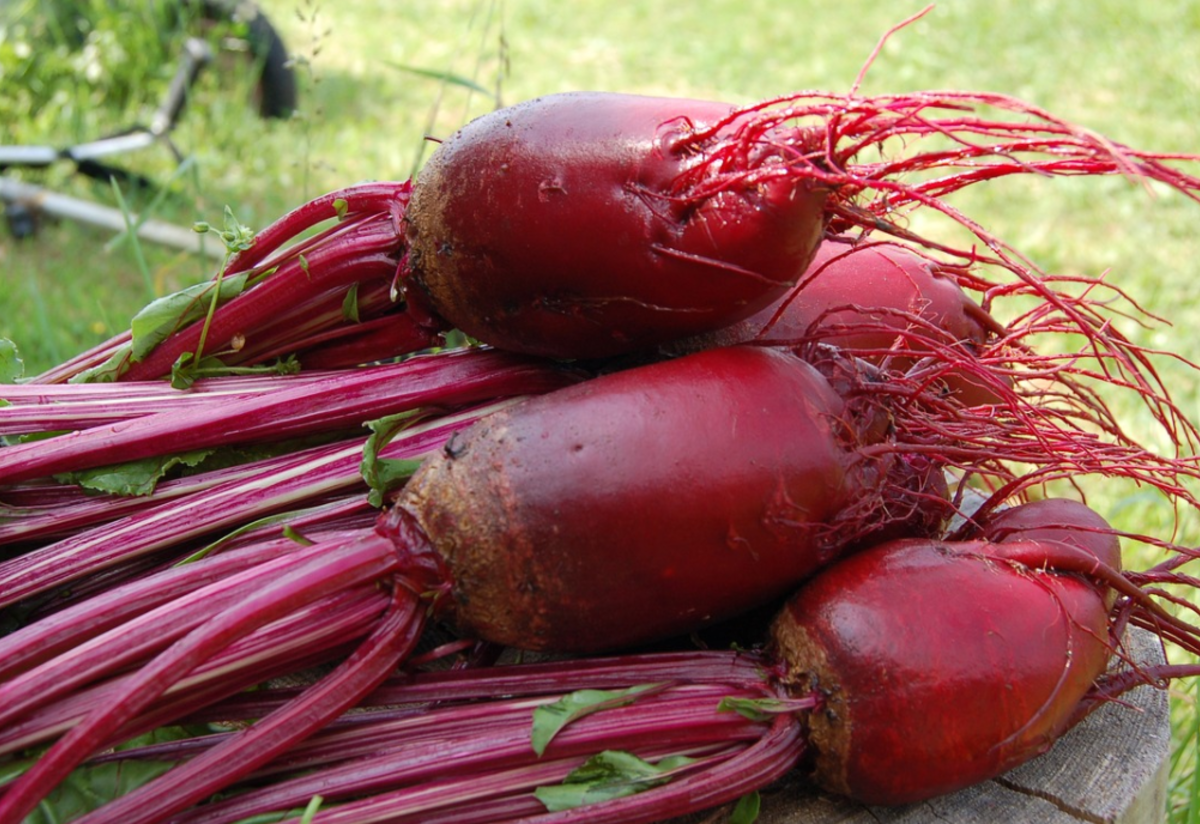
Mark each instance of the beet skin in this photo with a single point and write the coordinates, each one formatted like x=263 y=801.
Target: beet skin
x=941 y=664
x=643 y=503
x=885 y=303
x=594 y=224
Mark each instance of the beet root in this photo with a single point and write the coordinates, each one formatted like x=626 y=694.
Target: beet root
x=645 y=503
x=941 y=664
x=885 y=303
x=591 y=224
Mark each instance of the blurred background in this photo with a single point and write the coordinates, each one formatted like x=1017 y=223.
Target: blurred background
x=374 y=80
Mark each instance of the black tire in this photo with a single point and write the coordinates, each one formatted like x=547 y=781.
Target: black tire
x=276 y=88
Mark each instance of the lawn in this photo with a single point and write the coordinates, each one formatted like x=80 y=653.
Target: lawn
x=371 y=96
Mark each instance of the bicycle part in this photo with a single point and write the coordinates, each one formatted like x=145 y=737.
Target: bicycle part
x=28 y=157
x=276 y=88
x=35 y=200
x=196 y=55
x=22 y=222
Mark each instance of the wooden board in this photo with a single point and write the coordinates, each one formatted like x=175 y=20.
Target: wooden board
x=1110 y=769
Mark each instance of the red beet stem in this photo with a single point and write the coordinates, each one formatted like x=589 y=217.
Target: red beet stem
x=283 y=482
x=59 y=631
x=314 y=574
x=342 y=400
x=393 y=639
x=325 y=630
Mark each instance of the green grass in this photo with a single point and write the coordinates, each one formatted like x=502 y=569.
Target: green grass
x=1126 y=70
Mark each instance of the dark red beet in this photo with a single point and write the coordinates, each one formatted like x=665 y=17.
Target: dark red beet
x=1057 y=520
x=569 y=226
x=680 y=493
x=885 y=303
x=942 y=664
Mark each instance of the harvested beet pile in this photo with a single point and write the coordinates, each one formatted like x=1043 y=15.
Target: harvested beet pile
x=709 y=372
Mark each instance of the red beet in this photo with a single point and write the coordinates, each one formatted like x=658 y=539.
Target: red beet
x=945 y=664
x=590 y=224
x=885 y=303
x=575 y=225
x=647 y=502
x=1057 y=521
x=903 y=694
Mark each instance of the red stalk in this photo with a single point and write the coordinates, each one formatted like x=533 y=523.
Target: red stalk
x=404 y=756
x=314 y=574
x=365 y=252
x=310 y=636
x=357 y=200
x=339 y=401
x=396 y=755
x=145 y=634
x=284 y=482
x=389 y=643
x=75 y=509
x=59 y=631
x=48 y=408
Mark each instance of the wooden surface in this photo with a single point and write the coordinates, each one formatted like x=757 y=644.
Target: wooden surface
x=1111 y=769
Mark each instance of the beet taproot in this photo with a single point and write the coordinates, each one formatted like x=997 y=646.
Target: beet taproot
x=943 y=664
x=887 y=304
x=567 y=225
x=646 y=502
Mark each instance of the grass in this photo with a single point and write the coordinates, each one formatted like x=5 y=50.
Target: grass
x=1127 y=71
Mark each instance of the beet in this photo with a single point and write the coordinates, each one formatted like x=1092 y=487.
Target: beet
x=579 y=225
x=645 y=503
x=943 y=664
x=886 y=303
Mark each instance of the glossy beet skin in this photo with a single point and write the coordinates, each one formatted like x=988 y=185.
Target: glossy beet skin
x=1056 y=521
x=641 y=504
x=879 y=301
x=593 y=224
x=943 y=664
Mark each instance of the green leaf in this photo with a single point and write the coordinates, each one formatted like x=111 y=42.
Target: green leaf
x=88 y=788
x=549 y=719
x=385 y=474
x=108 y=371
x=160 y=318
x=607 y=775
x=28 y=437
x=756 y=709
x=340 y=207
x=12 y=368
x=135 y=478
x=350 y=304
x=747 y=808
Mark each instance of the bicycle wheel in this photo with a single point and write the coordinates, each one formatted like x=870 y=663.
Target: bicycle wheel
x=275 y=92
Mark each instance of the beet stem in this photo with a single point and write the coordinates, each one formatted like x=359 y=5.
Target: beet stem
x=315 y=574
x=393 y=639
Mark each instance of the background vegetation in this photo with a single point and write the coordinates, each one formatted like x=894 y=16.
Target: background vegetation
x=371 y=94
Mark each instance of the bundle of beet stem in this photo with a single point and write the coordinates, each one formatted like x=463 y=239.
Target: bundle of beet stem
x=709 y=370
